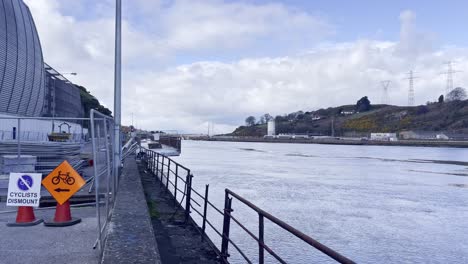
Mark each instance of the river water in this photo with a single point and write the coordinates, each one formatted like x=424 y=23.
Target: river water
x=373 y=204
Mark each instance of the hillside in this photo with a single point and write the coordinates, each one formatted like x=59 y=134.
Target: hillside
x=90 y=102
x=447 y=116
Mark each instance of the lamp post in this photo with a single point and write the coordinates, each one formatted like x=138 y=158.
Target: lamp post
x=117 y=86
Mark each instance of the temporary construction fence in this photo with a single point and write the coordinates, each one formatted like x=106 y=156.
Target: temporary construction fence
x=26 y=146
x=25 y=142
x=177 y=180
x=105 y=182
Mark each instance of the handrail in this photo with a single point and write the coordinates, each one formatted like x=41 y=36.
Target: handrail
x=326 y=250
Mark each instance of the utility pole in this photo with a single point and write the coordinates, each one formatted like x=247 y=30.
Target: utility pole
x=385 y=85
x=117 y=87
x=411 y=78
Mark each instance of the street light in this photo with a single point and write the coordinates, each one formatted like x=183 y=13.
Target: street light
x=117 y=87
x=70 y=73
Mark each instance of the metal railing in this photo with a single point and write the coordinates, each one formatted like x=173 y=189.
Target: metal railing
x=177 y=180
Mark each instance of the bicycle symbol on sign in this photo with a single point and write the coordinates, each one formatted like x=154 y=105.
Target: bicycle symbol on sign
x=65 y=177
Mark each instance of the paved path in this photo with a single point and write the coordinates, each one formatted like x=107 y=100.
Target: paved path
x=40 y=244
x=130 y=238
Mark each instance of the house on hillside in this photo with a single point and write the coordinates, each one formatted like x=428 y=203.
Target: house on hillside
x=316 y=117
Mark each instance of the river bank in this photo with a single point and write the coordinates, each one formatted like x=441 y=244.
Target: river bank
x=341 y=141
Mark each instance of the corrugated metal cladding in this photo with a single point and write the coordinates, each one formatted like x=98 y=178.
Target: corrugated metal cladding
x=63 y=98
x=22 y=75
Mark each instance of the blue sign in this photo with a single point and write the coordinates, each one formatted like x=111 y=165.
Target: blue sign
x=25 y=182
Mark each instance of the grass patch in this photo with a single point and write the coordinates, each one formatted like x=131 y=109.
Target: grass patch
x=152 y=209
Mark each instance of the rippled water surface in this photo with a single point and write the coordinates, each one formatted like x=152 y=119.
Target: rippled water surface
x=373 y=204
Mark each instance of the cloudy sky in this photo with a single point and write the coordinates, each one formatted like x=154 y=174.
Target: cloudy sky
x=188 y=63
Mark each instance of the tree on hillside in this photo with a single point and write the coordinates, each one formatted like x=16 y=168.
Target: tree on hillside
x=250 y=121
x=363 y=104
x=279 y=118
x=261 y=120
x=456 y=94
x=267 y=117
x=441 y=98
x=90 y=102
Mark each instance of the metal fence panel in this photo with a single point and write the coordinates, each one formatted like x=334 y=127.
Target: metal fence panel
x=105 y=178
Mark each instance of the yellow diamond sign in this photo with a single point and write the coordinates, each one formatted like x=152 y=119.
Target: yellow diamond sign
x=63 y=182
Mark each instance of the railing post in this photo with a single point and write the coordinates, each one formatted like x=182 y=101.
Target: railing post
x=205 y=211
x=168 y=174
x=226 y=227
x=157 y=165
x=261 y=229
x=175 y=183
x=162 y=173
x=188 y=194
x=150 y=158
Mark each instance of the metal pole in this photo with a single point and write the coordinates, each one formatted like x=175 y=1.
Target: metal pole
x=157 y=165
x=18 y=136
x=96 y=178
x=205 y=207
x=261 y=230
x=226 y=227
x=175 y=183
x=188 y=186
x=108 y=168
x=162 y=172
x=168 y=174
x=117 y=86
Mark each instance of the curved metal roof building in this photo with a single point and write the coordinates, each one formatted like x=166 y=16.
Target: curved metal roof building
x=22 y=74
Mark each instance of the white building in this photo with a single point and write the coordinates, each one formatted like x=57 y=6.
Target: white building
x=384 y=136
x=271 y=129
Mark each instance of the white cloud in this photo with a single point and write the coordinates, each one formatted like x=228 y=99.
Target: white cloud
x=228 y=92
x=188 y=96
x=216 y=24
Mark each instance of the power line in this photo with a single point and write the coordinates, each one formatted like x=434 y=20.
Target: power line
x=385 y=85
x=410 y=79
x=450 y=71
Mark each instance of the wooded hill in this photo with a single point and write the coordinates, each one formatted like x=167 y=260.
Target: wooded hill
x=90 y=102
x=348 y=121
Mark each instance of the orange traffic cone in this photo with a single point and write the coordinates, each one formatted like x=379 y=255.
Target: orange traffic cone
x=63 y=216
x=25 y=217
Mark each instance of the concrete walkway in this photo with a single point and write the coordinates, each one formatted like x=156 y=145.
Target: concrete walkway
x=40 y=244
x=130 y=237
